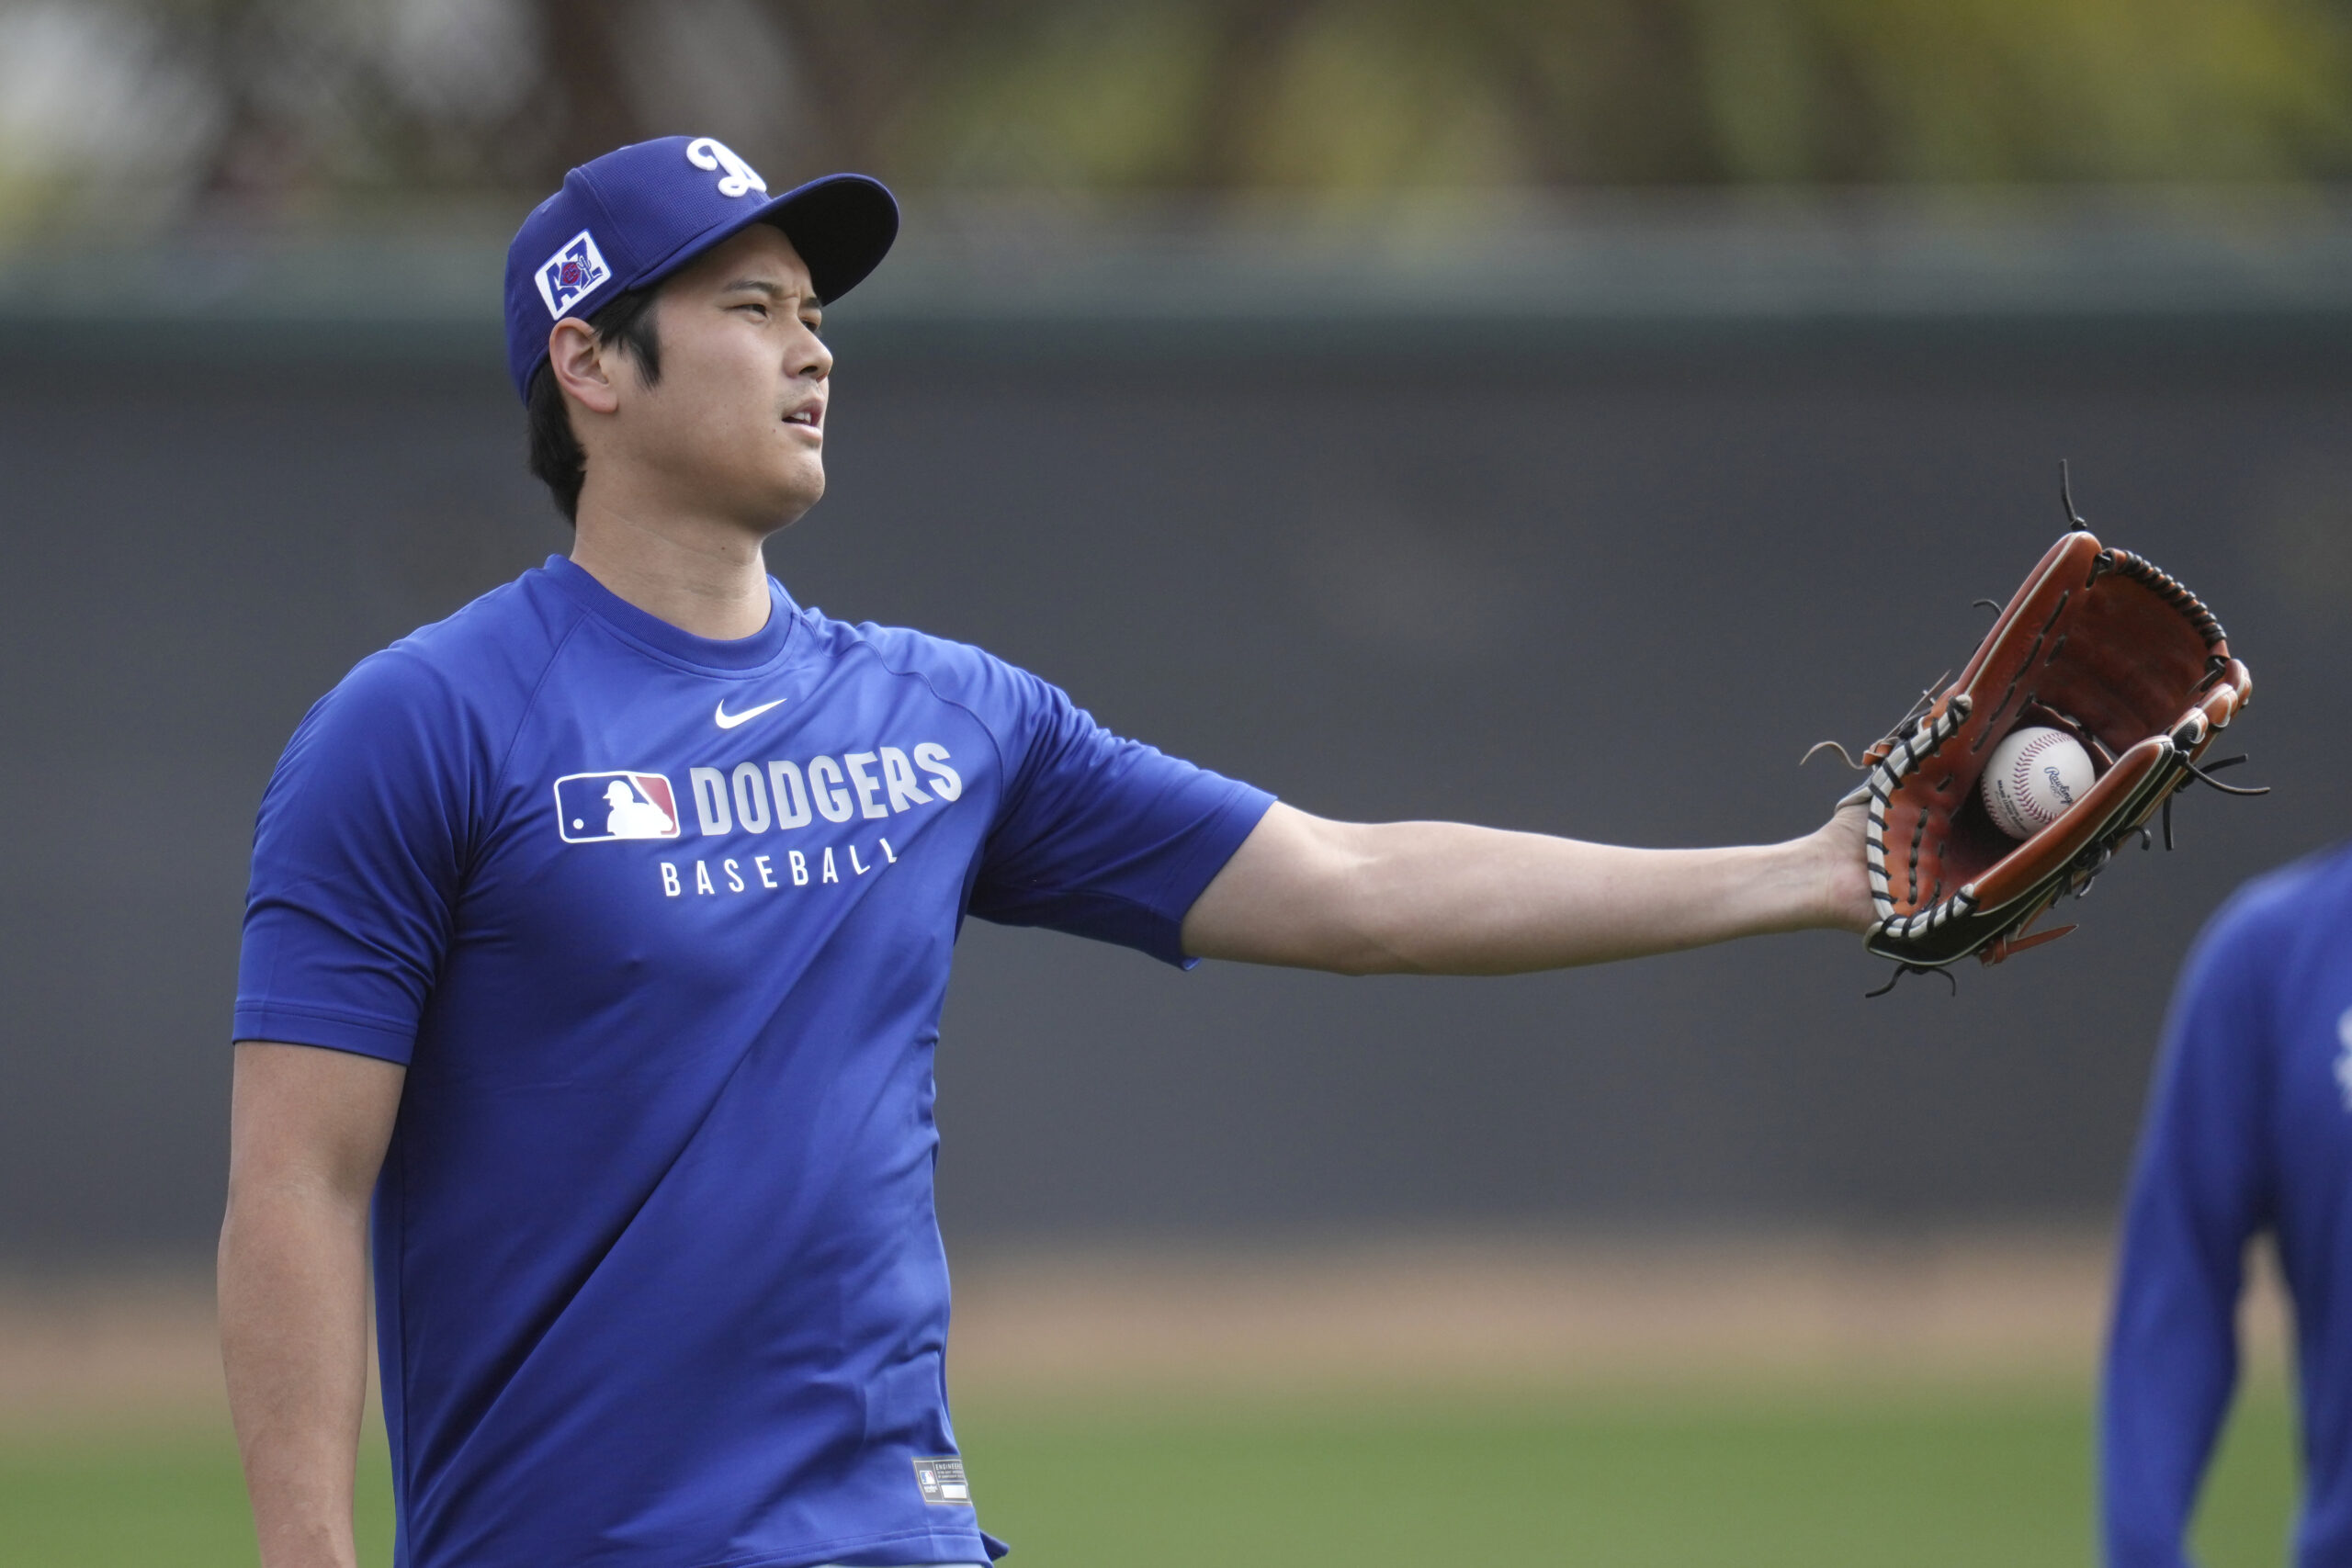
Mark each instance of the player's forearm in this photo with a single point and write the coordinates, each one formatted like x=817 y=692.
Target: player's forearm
x=1438 y=897
x=1442 y=898
x=294 y=1343
x=307 y=1133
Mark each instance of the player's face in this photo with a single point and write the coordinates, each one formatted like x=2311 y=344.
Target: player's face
x=736 y=425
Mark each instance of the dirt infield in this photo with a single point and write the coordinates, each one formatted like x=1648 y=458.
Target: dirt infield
x=136 y=1344
x=1487 y=1312
x=1505 y=1311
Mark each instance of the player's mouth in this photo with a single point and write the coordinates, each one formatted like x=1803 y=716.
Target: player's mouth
x=809 y=417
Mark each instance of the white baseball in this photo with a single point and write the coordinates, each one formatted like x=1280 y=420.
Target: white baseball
x=2033 y=775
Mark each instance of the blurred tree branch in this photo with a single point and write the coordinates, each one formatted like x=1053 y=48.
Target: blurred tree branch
x=586 y=80
x=297 y=100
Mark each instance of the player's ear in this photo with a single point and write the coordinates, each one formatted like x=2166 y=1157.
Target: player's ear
x=580 y=366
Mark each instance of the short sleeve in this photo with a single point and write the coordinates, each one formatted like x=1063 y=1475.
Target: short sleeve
x=1102 y=837
x=357 y=859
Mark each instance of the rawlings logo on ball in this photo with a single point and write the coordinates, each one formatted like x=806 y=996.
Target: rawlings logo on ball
x=2086 y=709
x=2032 y=777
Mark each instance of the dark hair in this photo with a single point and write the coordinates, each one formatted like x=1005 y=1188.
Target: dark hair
x=556 y=456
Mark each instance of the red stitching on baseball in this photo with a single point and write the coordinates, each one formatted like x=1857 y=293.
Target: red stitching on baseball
x=2022 y=776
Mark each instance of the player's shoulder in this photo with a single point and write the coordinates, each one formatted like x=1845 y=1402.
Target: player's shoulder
x=478 y=663
x=2272 y=917
x=2319 y=885
x=958 y=672
x=513 y=630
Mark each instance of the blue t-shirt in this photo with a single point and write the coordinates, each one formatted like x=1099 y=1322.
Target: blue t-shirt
x=661 y=927
x=2249 y=1130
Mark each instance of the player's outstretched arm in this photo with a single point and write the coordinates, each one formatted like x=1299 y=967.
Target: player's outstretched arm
x=1443 y=899
x=307 y=1133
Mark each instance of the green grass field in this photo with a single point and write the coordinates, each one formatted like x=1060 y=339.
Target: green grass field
x=1819 y=1478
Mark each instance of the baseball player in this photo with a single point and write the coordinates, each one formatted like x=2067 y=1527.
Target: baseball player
x=598 y=937
x=2249 y=1130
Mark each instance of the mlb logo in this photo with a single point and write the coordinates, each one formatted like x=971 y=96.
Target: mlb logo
x=942 y=1481
x=572 y=273
x=593 y=807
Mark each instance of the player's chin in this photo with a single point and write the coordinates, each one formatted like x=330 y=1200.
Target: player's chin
x=796 y=485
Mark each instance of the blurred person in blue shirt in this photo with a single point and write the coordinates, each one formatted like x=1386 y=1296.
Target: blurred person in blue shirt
x=2249 y=1131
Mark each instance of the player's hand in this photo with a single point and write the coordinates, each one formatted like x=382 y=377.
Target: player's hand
x=1844 y=868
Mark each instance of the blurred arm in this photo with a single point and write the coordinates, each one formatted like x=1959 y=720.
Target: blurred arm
x=2198 y=1197
x=1443 y=899
x=307 y=1133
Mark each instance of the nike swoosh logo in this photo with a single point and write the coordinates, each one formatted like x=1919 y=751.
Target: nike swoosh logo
x=729 y=721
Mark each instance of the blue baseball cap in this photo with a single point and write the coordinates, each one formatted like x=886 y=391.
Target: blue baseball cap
x=635 y=216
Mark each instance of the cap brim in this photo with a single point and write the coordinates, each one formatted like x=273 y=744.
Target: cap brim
x=843 y=225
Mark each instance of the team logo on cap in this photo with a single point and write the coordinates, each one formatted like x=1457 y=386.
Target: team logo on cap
x=572 y=273
x=741 y=178
x=593 y=807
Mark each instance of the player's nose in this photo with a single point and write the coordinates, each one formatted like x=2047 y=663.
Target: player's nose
x=812 y=357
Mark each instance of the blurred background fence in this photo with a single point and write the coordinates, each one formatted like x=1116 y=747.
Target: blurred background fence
x=1549 y=415
x=1587 y=521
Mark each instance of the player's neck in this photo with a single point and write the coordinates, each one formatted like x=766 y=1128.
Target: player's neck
x=703 y=576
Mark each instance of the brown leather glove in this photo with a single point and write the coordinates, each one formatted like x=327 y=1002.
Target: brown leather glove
x=2099 y=643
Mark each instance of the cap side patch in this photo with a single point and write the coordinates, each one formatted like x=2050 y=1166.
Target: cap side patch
x=941 y=1482
x=572 y=274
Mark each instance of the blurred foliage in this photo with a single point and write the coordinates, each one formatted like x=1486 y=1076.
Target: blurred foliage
x=135 y=110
